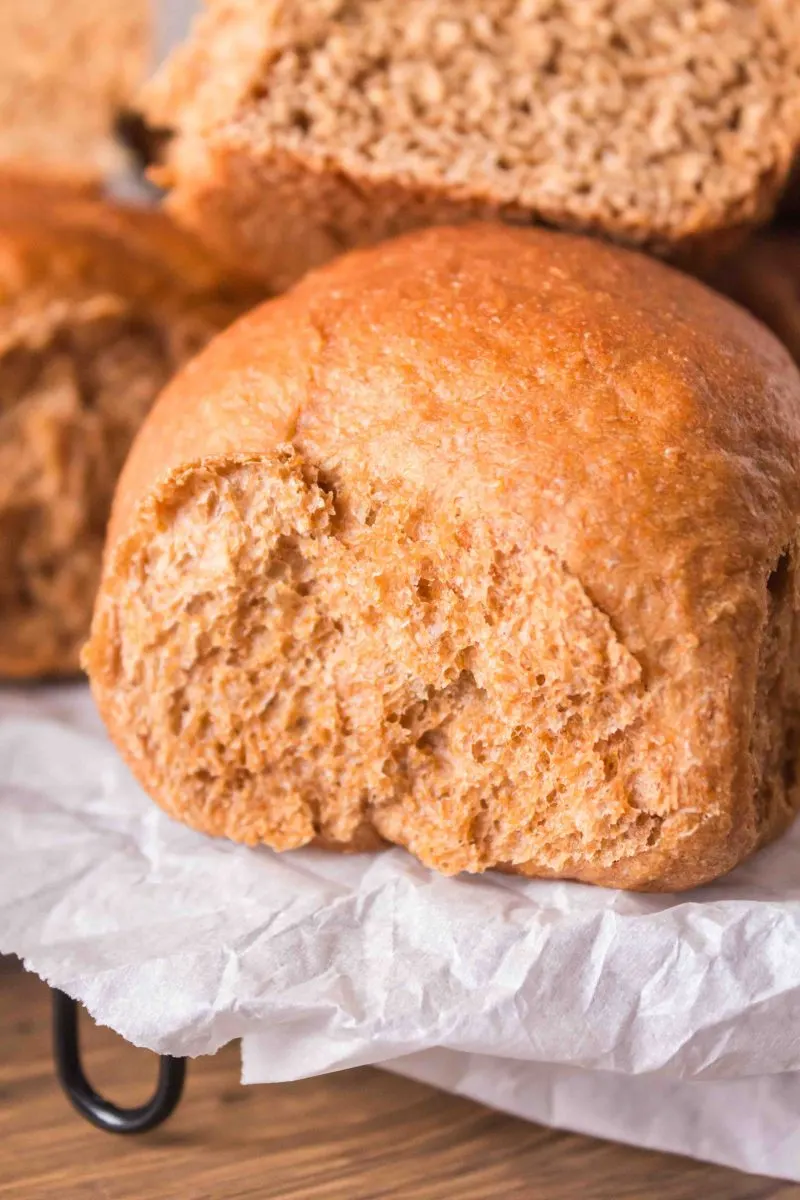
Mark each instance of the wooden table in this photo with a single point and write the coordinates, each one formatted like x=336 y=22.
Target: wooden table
x=360 y=1135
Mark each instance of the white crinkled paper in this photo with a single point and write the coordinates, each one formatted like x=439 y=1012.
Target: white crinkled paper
x=181 y=942
x=669 y=1022
x=752 y=1124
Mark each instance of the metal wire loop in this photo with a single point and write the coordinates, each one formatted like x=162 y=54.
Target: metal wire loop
x=83 y=1097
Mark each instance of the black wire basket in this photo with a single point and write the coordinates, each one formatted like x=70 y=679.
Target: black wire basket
x=94 y=1107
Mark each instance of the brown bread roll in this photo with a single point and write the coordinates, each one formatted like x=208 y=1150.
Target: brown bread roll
x=482 y=542
x=99 y=305
x=67 y=68
x=304 y=127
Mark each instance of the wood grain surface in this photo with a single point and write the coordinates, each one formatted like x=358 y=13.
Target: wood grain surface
x=360 y=1135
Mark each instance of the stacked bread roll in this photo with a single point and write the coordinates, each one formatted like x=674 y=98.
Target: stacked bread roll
x=298 y=129
x=99 y=305
x=479 y=540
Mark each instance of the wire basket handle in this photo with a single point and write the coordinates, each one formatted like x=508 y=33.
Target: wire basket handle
x=83 y=1097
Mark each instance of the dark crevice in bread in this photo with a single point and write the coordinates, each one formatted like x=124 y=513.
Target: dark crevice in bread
x=765 y=278
x=146 y=143
x=779 y=578
x=775 y=747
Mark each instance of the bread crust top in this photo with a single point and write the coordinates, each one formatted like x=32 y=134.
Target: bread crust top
x=584 y=387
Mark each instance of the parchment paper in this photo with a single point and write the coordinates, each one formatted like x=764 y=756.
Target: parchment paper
x=181 y=942
x=752 y=1124
x=583 y=1008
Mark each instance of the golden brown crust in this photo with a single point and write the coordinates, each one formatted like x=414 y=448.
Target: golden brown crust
x=96 y=242
x=99 y=304
x=487 y=541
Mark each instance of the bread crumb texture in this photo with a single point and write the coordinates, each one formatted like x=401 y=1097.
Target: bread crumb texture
x=483 y=543
x=303 y=127
x=99 y=305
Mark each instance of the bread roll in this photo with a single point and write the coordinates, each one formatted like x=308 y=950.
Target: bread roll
x=99 y=305
x=67 y=68
x=482 y=542
x=304 y=127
